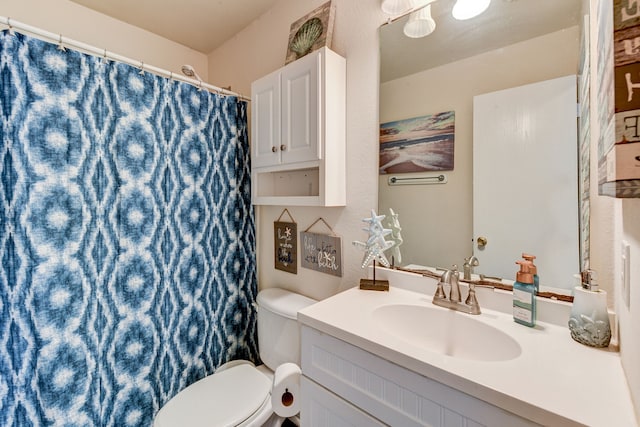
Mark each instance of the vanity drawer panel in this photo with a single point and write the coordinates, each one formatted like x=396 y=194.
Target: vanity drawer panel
x=321 y=408
x=391 y=393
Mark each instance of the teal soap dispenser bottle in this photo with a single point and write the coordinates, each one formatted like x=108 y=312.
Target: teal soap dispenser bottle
x=524 y=295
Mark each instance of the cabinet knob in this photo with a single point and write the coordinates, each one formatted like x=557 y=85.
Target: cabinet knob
x=274 y=149
x=482 y=242
x=283 y=147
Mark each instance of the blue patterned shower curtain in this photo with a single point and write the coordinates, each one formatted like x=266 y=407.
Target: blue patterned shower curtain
x=127 y=242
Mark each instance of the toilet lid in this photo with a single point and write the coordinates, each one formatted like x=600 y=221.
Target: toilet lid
x=222 y=399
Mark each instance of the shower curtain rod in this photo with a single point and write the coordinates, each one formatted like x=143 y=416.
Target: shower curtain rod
x=95 y=51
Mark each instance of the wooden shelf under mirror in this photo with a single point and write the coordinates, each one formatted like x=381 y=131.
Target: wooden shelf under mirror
x=488 y=284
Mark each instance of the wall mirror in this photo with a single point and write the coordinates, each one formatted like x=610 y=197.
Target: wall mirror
x=512 y=44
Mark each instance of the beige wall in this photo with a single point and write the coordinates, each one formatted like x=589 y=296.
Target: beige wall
x=82 y=24
x=628 y=219
x=260 y=49
x=440 y=216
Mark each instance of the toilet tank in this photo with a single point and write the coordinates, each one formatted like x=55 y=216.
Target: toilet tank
x=278 y=330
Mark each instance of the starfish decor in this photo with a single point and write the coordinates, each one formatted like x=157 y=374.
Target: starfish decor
x=376 y=244
x=396 y=236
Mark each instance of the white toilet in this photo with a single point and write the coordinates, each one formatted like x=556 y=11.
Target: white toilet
x=239 y=393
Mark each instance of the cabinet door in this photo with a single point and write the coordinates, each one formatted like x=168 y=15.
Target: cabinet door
x=321 y=408
x=265 y=121
x=300 y=109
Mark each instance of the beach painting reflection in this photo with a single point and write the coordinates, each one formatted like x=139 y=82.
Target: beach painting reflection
x=419 y=144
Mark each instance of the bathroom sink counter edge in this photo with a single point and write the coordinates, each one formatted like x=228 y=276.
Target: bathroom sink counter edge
x=553 y=381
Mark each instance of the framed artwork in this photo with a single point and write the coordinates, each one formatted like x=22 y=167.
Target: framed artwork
x=418 y=144
x=311 y=32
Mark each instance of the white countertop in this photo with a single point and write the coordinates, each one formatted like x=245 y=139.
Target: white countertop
x=554 y=381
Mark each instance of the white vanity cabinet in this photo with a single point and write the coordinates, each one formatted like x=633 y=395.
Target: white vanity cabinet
x=298 y=133
x=352 y=387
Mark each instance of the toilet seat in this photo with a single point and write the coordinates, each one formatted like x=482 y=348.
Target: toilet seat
x=226 y=398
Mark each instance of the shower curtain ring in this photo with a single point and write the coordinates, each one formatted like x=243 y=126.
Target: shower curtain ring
x=199 y=85
x=104 y=56
x=13 y=33
x=141 y=68
x=60 y=45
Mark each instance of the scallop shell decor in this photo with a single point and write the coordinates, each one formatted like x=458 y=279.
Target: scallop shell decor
x=311 y=32
x=306 y=36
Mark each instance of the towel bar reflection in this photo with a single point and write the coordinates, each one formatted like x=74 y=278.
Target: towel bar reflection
x=418 y=180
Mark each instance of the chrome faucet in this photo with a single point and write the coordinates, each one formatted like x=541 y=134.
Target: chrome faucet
x=468 y=265
x=454 y=302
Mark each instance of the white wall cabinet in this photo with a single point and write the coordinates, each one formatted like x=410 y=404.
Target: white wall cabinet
x=286 y=108
x=353 y=384
x=298 y=133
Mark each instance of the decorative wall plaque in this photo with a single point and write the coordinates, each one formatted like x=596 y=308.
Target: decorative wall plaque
x=619 y=155
x=321 y=252
x=311 y=32
x=285 y=238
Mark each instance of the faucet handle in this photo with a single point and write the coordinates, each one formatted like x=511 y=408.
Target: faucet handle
x=471 y=300
x=471 y=297
x=446 y=276
x=440 y=292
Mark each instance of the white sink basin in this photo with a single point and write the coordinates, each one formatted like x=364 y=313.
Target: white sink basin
x=447 y=332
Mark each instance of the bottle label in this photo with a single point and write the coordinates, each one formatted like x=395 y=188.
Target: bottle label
x=522 y=314
x=523 y=297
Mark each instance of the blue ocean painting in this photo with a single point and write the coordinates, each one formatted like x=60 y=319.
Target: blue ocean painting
x=418 y=144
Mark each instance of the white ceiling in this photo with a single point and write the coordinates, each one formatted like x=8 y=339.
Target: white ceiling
x=202 y=25
x=504 y=23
